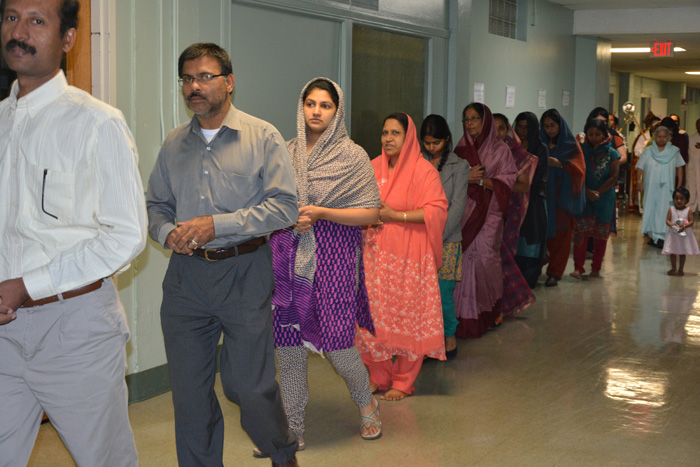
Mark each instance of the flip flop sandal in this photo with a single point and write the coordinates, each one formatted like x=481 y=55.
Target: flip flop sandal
x=370 y=421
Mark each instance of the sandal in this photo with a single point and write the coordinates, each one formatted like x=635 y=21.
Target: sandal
x=370 y=421
x=258 y=454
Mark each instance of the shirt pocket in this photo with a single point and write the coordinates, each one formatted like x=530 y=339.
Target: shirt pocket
x=54 y=195
x=236 y=191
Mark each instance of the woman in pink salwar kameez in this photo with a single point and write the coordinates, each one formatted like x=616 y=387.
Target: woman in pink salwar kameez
x=402 y=255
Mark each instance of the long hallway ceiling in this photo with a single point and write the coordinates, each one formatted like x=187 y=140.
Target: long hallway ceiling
x=577 y=5
x=636 y=23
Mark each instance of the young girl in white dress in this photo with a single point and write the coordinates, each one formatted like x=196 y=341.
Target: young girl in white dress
x=680 y=240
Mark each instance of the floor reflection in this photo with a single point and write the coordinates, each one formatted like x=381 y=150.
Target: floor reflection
x=598 y=372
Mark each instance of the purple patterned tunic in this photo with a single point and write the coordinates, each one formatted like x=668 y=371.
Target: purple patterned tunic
x=328 y=309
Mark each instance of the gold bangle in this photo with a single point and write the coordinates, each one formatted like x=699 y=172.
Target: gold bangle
x=405 y=217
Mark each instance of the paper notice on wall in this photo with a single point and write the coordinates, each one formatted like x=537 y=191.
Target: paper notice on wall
x=479 y=92
x=565 y=98
x=542 y=99
x=510 y=97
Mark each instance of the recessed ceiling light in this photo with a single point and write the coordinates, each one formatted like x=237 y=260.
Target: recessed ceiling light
x=692 y=72
x=639 y=49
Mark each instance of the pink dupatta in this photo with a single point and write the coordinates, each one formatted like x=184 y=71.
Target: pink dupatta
x=413 y=184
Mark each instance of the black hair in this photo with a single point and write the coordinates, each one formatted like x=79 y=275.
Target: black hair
x=323 y=85
x=205 y=49
x=555 y=116
x=598 y=124
x=401 y=117
x=671 y=124
x=67 y=14
x=599 y=112
x=533 y=130
x=615 y=120
x=437 y=127
x=683 y=191
x=478 y=107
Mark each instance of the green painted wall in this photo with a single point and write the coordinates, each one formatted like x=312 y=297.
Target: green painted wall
x=151 y=34
x=546 y=60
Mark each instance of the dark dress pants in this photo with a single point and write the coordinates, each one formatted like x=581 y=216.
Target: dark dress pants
x=202 y=300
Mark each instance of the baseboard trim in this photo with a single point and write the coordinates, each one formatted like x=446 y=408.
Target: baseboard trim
x=148 y=383
x=154 y=381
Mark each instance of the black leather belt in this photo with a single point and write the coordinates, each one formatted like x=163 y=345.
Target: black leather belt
x=65 y=295
x=217 y=254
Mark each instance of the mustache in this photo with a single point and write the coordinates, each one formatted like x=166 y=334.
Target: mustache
x=22 y=45
x=195 y=94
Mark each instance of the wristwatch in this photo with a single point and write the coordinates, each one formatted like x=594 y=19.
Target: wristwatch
x=481 y=182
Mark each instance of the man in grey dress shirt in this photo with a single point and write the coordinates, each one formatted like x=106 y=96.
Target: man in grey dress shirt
x=221 y=184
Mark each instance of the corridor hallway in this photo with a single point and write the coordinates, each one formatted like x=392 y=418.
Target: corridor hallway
x=597 y=372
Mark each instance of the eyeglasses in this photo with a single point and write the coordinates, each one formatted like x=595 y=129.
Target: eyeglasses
x=473 y=119
x=203 y=78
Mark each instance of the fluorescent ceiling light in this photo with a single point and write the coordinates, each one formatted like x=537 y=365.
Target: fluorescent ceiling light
x=692 y=72
x=639 y=49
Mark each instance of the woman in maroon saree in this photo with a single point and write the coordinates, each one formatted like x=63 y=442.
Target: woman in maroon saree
x=478 y=294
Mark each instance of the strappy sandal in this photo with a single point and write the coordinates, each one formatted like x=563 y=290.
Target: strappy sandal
x=371 y=421
x=258 y=454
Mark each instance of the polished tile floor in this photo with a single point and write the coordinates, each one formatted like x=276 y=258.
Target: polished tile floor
x=598 y=372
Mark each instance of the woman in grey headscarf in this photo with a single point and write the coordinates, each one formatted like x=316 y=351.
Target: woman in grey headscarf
x=320 y=295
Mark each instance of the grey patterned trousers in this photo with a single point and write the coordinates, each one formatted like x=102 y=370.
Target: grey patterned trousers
x=293 y=364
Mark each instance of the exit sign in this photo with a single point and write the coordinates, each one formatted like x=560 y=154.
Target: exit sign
x=661 y=49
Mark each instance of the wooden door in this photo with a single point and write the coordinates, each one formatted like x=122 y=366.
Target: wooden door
x=78 y=63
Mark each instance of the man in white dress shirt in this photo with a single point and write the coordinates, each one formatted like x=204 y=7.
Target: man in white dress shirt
x=72 y=213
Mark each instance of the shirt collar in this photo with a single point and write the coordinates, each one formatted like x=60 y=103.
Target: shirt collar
x=232 y=120
x=42 y=96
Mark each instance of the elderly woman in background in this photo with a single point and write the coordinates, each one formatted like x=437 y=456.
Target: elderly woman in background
x=659 y=171
x=532 y=243
x=565 y=196
x=478 y=294
x=517 y=294
x=402 y=256
x=454 y=175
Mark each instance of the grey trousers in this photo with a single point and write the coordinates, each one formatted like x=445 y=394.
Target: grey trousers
x=68 y=359
x=293 y=363
x=202 y=300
